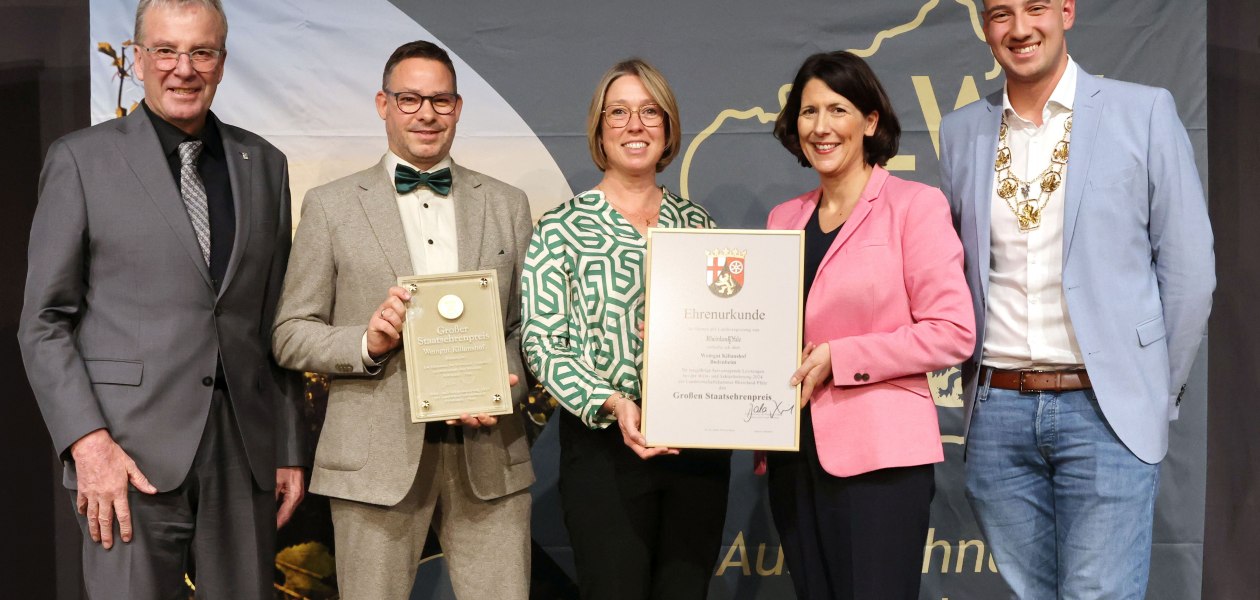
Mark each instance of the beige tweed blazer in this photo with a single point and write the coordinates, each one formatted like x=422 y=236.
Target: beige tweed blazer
x=348 y=250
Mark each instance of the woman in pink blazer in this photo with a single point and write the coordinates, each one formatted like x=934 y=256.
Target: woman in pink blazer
x=885 y=304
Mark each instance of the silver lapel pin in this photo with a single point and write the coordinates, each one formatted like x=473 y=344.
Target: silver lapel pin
x=245 y=155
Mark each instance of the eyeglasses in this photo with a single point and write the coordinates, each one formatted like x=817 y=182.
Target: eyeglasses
x=203 y=60
x=410 y=102
x=616 y=115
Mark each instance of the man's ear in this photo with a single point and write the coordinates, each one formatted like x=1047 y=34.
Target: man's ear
x=382 y=103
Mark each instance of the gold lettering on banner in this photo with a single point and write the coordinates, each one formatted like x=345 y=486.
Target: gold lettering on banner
x=737 y=546
x=961 y=556
x=967 y=94
x=946 y=548
x=933 y=544
x=761 y=564
x=737 y=558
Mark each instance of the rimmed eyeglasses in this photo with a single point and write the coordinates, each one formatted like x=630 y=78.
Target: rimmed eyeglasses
x=410 y=102
x=203 y=60
x=616 y=115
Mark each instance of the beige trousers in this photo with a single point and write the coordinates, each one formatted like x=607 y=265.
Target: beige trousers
x=486 y=543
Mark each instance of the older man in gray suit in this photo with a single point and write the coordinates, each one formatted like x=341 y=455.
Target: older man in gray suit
x=156 y=258
x=415 y=212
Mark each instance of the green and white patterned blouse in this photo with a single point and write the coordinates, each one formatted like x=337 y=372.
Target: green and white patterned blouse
x=582 y=299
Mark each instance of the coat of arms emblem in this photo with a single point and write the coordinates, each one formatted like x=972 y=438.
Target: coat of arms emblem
x=725 y=271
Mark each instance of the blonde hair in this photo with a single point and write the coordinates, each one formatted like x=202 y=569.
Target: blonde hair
x=661 y=94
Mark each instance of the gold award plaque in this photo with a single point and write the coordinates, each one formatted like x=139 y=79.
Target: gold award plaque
x=453 y=344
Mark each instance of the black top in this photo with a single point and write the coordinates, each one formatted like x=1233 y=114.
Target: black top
x=212 y=166
x=817 y=242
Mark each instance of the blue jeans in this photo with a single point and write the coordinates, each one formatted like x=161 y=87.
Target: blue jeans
x=1066 y=507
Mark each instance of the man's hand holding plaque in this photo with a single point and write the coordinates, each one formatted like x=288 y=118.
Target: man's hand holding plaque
x=450 y=327
x=482 y=419
x=384 y=332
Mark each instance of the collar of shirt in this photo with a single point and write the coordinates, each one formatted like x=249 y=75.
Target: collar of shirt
x=170 y=136
x=393 y=160
x=1061 y=99
x=428 y=223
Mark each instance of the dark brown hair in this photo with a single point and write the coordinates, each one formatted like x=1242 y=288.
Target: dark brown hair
x=851 y=77
x=419 y=49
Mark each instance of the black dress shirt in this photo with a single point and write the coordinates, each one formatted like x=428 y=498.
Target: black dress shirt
x=817 y=242
x=212 y=166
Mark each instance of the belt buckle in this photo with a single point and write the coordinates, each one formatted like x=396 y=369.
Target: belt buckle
x=1022 y=374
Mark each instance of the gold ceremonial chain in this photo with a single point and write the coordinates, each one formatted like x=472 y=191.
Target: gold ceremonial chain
x=1028 y=211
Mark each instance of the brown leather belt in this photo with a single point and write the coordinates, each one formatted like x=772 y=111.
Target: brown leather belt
x=1037 y=381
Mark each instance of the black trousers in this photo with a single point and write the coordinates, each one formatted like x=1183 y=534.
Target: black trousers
x=218 y=518
x=858 y=537
x=640 y=529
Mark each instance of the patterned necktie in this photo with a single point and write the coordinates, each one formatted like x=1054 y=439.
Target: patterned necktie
x=193 y=192
x=407 y=179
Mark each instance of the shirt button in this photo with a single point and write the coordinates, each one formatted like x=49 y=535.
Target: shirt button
x=426 y=205
x=207 y=381
x=430 y=242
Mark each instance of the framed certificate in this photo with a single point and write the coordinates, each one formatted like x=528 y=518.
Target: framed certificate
x=722 y=338
x=453 y=344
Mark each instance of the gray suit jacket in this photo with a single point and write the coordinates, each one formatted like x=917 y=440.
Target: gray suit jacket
x=121 y=326
x=349 y=249
x=1138 y=267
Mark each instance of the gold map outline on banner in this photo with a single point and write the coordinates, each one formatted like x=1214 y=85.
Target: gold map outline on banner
x=898 y=163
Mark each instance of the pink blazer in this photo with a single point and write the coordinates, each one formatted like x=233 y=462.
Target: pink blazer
x=890 y=299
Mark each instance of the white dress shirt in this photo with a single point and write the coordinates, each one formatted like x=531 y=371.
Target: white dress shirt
x=428 y=223
x=1027 y=322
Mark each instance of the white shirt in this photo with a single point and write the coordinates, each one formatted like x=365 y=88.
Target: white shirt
x=1027 y=322
x=428 y=223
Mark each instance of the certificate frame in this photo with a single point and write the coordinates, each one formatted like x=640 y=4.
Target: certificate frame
x=685 y=401
x=456 y=356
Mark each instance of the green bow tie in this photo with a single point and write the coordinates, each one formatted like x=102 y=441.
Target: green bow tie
x=407 y=178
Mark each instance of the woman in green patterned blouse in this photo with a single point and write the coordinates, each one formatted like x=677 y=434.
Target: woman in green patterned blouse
x=631 y=511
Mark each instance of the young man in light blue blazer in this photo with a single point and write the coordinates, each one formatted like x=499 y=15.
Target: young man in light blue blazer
x=1089 y=257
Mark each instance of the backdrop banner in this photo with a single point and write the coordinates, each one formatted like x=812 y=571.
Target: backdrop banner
x=303 y=75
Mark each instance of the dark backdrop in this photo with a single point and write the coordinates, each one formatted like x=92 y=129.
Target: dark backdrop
x=43 y=95
x=44 y=53
x=1231 y=552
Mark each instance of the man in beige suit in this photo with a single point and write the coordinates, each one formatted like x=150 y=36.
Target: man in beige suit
x=415 y=212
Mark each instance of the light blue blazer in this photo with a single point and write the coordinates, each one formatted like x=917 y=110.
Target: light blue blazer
x=1138 y=266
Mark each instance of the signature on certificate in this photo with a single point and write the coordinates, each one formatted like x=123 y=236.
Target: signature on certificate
x=768 y=409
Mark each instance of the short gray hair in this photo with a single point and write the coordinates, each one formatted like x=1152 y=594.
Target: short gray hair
x=214 y=6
